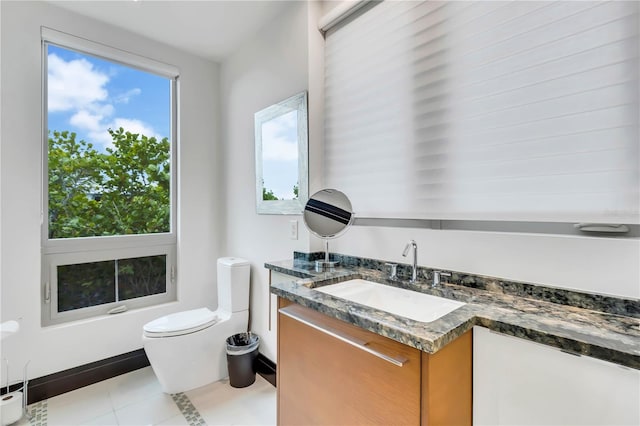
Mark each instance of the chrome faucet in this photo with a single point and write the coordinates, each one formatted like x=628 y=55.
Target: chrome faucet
x=414 y=271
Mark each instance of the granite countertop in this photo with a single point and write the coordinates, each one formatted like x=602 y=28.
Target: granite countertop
x=610 y=337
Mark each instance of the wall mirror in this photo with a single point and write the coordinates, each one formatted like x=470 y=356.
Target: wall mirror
x=327 y=214
x=282 y=156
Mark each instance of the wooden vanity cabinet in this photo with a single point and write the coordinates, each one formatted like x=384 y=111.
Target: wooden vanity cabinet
x=447 y=385
x=333 y=373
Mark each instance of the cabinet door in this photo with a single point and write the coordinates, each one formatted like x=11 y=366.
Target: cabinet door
x=332 y=373
x=517 y=382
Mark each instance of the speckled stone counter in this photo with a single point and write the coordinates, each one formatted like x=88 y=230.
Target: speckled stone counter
x=612 y=337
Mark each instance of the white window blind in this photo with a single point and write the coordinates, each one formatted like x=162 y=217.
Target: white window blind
x=111 y=53
x=524 y=111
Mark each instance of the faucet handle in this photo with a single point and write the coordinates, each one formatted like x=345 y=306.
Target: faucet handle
x=393 y=273
x=437 y=275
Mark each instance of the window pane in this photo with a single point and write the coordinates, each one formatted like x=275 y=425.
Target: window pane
x=109 y=147
x=142 y=276
x=86 y=284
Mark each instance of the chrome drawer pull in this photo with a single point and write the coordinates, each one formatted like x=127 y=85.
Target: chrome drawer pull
x=360 y=344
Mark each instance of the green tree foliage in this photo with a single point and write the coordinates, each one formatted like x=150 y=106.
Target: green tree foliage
x=125 y=190
x=268 y=194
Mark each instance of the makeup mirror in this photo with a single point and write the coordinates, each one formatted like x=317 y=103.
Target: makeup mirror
x=327 y=214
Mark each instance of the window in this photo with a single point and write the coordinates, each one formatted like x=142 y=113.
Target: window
x=108 y=238
x=510 y=111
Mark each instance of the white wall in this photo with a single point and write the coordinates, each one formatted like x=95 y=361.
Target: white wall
x=56 y=348
x=599 y=265
x=264 y=71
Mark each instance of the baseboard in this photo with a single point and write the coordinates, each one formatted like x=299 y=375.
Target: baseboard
x=64 y=381
x=266 y=368
x=58 y=383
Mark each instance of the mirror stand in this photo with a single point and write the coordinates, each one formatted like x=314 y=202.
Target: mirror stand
x=326 y=264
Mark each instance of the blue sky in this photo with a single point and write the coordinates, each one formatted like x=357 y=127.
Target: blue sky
x=88 y=95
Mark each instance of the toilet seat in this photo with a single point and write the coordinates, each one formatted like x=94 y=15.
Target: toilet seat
x=180 y=323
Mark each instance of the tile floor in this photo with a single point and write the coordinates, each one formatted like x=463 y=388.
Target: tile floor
x=137 y=399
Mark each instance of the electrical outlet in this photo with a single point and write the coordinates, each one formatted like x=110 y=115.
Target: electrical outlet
x=293 y=229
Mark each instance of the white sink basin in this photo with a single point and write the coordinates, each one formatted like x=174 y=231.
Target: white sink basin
x=406 y=303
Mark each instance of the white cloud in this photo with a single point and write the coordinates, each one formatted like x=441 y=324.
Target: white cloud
x=74 y=84
x=85 y=120
x=134 y=126
x=77 y=87
x=279 y=149
x=124 y=98
x=101 y=137
x=280 y=138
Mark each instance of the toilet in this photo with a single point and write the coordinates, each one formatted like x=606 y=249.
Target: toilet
x=187 y=349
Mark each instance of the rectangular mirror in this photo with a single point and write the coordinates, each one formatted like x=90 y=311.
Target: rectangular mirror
x=281 y=157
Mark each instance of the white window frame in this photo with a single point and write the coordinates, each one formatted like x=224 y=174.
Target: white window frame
x=70 y=251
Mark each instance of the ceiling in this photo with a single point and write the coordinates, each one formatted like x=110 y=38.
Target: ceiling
x=211 y=29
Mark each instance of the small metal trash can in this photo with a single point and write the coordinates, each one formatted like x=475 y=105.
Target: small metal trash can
x=242 y=351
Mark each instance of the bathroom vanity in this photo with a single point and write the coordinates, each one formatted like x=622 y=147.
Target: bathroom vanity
x=332 y=372
x=343 y=362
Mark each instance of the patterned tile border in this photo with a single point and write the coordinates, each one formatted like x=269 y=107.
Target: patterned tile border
x=37 y=413
x=188 y=410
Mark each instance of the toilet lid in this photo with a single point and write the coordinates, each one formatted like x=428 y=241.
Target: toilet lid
x=180 y=323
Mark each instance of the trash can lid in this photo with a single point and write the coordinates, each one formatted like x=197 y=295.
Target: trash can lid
x=242 y=343
x=180 y=323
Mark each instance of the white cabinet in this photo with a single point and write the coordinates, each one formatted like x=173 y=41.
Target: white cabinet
x=518 y=382
x=275 y=277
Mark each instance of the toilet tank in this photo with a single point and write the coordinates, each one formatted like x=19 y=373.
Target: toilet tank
x=233 y=284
